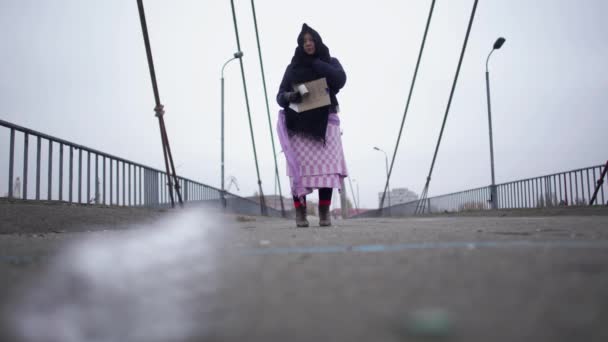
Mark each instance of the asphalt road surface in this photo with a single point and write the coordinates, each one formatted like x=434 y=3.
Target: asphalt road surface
x=72 y=273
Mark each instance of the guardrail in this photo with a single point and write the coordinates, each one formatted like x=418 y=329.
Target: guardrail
x=61 y=170
x=570 y=188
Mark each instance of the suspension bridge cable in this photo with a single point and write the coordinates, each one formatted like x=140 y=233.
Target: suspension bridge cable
x=409 y=97
x=255 y=155
x=423 y=200
x=160 y=112
x=274 y=151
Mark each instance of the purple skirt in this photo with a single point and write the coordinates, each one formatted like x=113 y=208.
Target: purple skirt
x=311 y=164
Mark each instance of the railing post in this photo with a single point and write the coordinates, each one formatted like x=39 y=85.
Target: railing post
x=103 y=174
x=129 y=184
x=110 y=171
x=141 y=202
x=124 y=202
x=146 y=188
x=71 y=174
x=79 y=175
x=97 y=178
x=61 y=171
x=50 y=172
x=10 y=163
x=88 y=177
x=117 y=183
x=25 y=163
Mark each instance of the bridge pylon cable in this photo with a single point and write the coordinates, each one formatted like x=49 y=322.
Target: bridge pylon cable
x=274 y=151
x=447 y=111
x=160 y=112
x=263 y=208
x=409 y=98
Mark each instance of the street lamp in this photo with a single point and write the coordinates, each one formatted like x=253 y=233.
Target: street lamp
x=388 y=185
x=236 y=55
x=358 y=198
x=493 y=195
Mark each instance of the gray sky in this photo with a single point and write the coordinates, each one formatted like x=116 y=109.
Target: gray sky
x=77 y=70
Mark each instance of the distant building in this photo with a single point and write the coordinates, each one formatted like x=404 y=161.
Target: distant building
x=398 y=196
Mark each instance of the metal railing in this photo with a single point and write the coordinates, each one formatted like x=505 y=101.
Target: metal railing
x=570 y=188
x=69 y=172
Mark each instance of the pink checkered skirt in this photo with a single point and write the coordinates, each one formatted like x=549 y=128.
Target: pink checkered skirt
x=319 y=165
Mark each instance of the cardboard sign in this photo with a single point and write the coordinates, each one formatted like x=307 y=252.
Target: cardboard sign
x=317 y=95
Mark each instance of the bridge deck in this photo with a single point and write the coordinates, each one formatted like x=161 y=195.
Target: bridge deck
x=496 y=278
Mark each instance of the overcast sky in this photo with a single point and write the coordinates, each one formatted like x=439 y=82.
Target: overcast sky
x=77 y=70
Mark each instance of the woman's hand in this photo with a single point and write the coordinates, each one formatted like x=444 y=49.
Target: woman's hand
x=293 y=96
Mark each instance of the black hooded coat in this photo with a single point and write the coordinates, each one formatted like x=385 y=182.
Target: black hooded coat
x=304 y=68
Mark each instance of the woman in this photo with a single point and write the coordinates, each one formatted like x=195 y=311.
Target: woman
x=311 y=139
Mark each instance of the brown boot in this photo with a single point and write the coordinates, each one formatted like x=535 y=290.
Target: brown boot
x=301 y=220
x=324 y=217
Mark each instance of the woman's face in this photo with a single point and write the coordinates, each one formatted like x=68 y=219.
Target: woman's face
x=309 y=44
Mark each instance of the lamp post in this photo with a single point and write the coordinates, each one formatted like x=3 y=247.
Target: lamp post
x=358 y=198
x=493 y=195
x=236 y=55
x=386 y=162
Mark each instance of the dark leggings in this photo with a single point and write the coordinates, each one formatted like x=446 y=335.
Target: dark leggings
x=324 y=198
